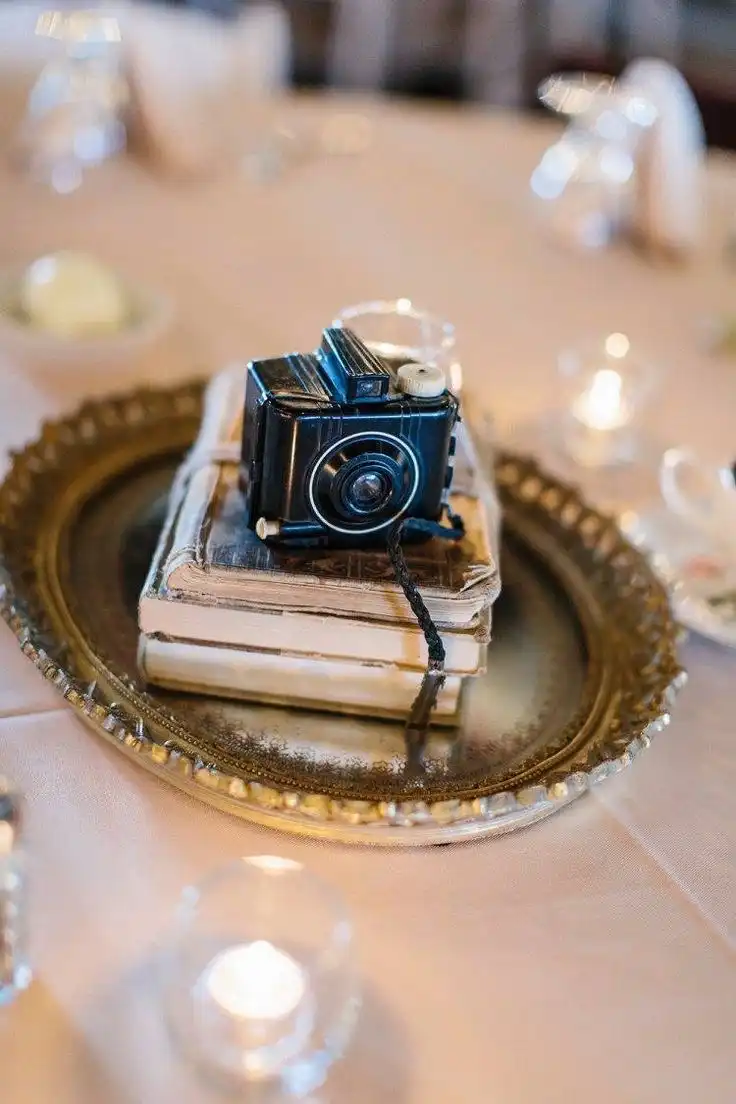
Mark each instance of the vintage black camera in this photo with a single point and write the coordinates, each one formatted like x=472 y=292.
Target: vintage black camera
x=339 y=444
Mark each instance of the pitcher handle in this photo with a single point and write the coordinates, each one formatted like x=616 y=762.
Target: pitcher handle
x=676 y=462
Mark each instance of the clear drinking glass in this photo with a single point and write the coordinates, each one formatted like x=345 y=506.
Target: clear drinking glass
x=584 y=181
x=15 y=971
x=401 y=331
x=606 y=384
x=75 y=113
x=260 y=987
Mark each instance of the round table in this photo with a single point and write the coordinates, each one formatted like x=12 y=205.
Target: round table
x=589 y=958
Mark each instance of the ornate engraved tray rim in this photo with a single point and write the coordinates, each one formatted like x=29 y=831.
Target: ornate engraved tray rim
x=124 y=431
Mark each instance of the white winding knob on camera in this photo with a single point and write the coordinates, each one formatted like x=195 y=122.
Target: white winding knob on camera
x=266 y=528
x=422 y=381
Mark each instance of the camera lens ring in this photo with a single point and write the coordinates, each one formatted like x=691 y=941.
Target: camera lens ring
x=404 y=450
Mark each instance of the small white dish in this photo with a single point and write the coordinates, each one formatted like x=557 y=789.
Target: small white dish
x=45 y=355
x=700 y=579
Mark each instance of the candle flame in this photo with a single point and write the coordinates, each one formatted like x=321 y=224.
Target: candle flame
x=256 y=981
x=600 y=407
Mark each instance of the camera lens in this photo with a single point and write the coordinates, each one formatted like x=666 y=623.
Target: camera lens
x=363 y=482
x=368 y=491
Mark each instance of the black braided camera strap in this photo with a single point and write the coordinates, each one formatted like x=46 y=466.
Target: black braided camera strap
x=434 y=676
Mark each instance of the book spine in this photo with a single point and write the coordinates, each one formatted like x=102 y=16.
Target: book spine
x=196 y=481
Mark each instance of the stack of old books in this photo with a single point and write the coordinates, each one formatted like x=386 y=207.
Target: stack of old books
x=223 y=613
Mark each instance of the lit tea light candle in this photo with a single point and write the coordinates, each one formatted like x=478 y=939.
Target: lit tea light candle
x=602 y=405
x=255 y=1008
x=256 y=981
x=259 y=986
x=608 y=385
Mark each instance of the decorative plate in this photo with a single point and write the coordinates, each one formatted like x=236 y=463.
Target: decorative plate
x=702 y=583
x=581 y=672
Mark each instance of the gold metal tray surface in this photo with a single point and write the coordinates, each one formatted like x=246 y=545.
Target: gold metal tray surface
x=582 y=670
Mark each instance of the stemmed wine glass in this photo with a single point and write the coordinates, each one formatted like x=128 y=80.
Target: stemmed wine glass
x=584 y=181
x=75 y=112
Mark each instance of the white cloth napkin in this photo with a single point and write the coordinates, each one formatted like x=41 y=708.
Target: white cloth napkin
x=668 y=211
x=186 y=70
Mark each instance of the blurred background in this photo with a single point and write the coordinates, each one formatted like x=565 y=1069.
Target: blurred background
x=496 y=51
x=487 y=51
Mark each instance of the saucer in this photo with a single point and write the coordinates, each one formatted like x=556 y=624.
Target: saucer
x=701 y=581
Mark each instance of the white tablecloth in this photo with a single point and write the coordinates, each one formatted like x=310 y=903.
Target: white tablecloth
x=589 y=958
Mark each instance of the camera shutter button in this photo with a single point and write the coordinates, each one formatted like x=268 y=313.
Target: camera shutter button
x=422 y=381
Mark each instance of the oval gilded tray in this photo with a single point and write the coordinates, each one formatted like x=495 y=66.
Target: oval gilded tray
x=581 y=672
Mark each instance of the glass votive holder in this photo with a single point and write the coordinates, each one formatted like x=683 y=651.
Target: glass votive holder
x=260 y=987
x=402 y=332
x=15 y=971
x=606 y=385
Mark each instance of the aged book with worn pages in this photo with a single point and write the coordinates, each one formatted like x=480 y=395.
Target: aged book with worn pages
x=282 y=679
x=320 y=634
x=223 y=612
